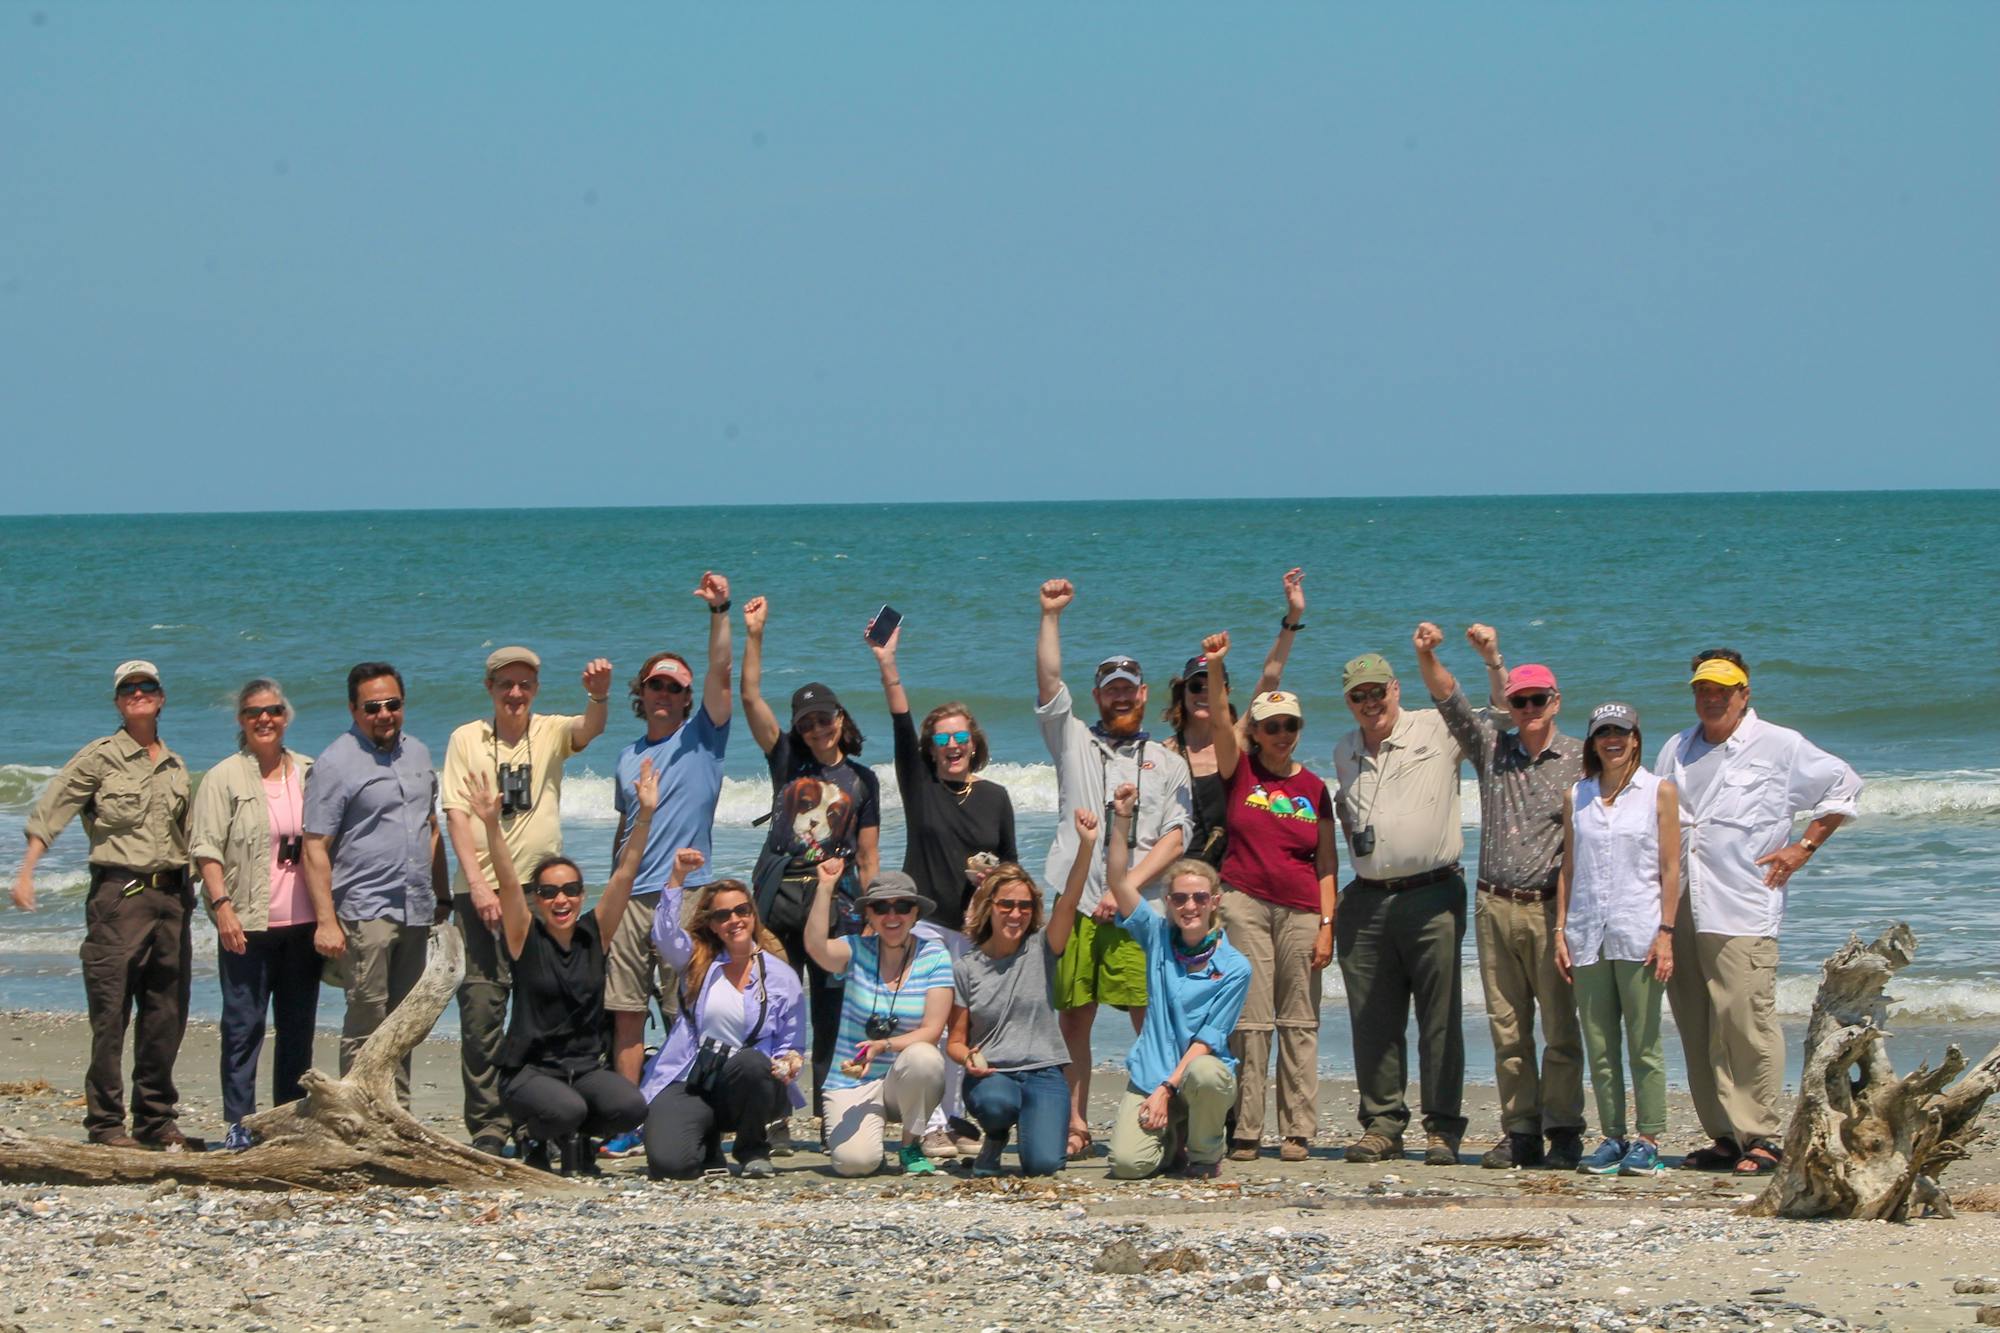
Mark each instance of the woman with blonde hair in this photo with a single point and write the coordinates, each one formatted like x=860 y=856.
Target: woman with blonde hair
x=1003 y=1030
x=733 y=1058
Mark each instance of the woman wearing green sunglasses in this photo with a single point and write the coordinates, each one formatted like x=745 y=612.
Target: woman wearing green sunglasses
x=958 y=826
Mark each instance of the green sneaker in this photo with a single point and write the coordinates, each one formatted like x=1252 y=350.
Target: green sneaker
x=914 y=1162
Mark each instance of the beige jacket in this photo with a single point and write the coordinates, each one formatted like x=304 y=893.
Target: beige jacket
x=232 y=825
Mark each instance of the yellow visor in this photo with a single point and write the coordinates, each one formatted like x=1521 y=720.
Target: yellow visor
x=1719 y=671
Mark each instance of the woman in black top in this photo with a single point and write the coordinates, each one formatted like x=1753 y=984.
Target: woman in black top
x=951 y=815
x=556 y=1082
x=1194 y=738
x=824 y=805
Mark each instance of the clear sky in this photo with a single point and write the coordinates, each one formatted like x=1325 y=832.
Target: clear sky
x=337 y=256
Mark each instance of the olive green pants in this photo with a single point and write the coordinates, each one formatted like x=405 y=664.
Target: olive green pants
x=1196 y=1119
x=1615 y=998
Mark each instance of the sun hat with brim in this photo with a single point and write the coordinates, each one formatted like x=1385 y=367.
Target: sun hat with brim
x=1367 y=669
x=500 y=657
x=890 y=886
x=1719 y=671
x=1275 y=703
x=1623 y=716
x=137 y=667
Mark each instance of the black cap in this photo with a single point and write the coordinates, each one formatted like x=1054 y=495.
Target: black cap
x=1198 y=666
x=813 y=698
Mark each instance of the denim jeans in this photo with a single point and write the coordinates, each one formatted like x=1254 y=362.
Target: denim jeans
x=1037 y=1100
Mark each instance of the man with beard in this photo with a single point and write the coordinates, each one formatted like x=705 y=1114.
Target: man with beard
x=374 y=863
x=1103 y=964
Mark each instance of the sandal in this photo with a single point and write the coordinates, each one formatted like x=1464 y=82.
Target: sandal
x=1759 y=1161
x=1081 y=1146
x=1721 y=1155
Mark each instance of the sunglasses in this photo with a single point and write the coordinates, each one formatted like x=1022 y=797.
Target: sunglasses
x=944 y=738
x=899 y=907
x=1197 y=684
x=1190 y=899
x=813 y=721
x=1620 y=732
x=1368 y=694
x=374 y=706
x=131 y=687
x=665 y=685
x=718 y=915
x=262 y=710
x=1271 y=726
x=573 y=889
x=1539 y=699
x=1014 y=905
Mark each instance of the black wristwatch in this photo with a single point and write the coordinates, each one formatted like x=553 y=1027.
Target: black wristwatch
x=722 y=610
x=1286 y=624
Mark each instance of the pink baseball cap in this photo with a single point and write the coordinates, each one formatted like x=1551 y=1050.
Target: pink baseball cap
x=1530 y=676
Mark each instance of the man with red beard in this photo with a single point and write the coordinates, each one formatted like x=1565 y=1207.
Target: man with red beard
x=1103 y=964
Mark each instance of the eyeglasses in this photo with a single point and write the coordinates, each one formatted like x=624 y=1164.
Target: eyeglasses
x=665 y=685
x=374 y=706
x=898 y=907
x=1368 y=694
x=718 y=915
x=1539 y=699
x=262 y=710
x=573 y=889
x=1190 y=899
x=1014 y=905
x=944 y=738
x=1271 y=726
x=131 y=687
x=813 y=721
x=510 y=686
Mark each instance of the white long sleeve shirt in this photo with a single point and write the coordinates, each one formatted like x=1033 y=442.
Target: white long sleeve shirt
x=1768 y=776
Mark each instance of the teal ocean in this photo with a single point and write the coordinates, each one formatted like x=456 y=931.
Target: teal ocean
x=1867 y=620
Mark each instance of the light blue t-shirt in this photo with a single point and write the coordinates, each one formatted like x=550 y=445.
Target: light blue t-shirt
x=689 y=764
x=867 y=995
x=1182 y=1007
x=375 y=806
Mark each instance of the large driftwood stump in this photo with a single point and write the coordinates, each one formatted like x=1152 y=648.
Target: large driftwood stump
x=344 y=1134
x=1864 y=1143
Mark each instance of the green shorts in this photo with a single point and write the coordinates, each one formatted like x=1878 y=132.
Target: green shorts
x=1102 y=965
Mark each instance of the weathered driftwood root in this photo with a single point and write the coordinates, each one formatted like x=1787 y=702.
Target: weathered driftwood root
x=1864 y=1143
x=344 y=1134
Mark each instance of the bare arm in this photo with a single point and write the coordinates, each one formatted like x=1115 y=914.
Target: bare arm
x=868 y=853
x=830 y=953
x=1062 y=917
x=892 y=679
x=617 y=893
x=458 y=826
x=1660 y=954
x=1281 y=650
x=1326 y=864
x=958 y=1034
x=714 y=589
x=597 y=708
x=1485 y=641
x=1056 y=594
x=1227 y=737
x=316 y=859
x=1117 y=882
x=484 y=804
x=763 y=722
x=24 y=878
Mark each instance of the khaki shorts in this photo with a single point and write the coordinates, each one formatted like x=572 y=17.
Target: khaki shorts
x=634 y=974
x=1102 y=965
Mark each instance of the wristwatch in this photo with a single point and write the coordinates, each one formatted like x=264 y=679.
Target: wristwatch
x=719 y=610
x=1286 y=624
x=1326 y=921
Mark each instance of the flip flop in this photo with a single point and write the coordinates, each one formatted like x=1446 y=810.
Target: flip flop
x=1081 y=1146
x=1759 y=1161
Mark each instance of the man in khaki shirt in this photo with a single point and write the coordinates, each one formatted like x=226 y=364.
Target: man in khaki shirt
x=521 y=752
x=1402 y=917
x=132 y=792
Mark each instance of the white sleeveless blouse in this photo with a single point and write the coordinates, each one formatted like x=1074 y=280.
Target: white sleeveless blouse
x=1614 y=890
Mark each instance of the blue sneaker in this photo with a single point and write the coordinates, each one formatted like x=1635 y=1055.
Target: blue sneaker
x=627 y=1144
x=237 y=1139
x=1605 y=1161
x=1641 y=1159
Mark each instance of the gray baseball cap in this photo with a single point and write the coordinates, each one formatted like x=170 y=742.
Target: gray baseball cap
x=1612 y=715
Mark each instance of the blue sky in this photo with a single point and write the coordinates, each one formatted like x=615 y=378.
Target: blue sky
x=317 y=256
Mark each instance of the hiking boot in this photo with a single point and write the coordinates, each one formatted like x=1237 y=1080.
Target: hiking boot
x=1440 y=1150
x=1243 y=1150
x=115 y=1138
x=168 y=1138
x=1605 y=1159
x=1512 y=1150
x=1565 y=1149
x=1373 y=1147
x=1294 y=1150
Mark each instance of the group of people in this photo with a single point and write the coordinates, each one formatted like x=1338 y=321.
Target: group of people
x=1196 y=882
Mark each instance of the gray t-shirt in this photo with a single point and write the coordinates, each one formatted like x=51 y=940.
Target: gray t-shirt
x=1013 y=1007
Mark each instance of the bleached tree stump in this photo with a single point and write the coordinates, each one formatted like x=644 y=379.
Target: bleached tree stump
x=344 y=1134
x=1864 y=1143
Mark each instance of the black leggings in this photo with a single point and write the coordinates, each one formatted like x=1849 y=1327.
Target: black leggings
x=824 y=991
x=684 y=1129
x=548 y=1105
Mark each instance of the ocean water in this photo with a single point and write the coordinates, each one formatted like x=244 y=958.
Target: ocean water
x=1867 y=620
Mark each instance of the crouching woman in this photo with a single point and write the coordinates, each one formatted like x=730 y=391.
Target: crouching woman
x=732 y=1062
x=1181 y=1079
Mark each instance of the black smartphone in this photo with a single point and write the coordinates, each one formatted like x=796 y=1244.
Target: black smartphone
x=883 y=625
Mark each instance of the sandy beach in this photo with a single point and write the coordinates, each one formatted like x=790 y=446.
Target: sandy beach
x=1322 y=1243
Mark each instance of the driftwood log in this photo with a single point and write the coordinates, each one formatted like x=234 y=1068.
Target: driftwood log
x=344 y=1134
x=1864 y=1143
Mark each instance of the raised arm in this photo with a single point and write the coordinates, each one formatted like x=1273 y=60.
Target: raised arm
x=1056 y=594
x=1293 y=620
x=612 y=902
x=597 y=705
x=821 y=946
x=892 y=679
x=1437 y=679
x=670 y=935
x=1485 y=641
x=1117 y=856
x=714 y=590
x=1062 y=916
x=763 y=722
x=1227 y=736
x=482 y=803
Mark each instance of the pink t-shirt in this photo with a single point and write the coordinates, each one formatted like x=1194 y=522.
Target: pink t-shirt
x=284 y=798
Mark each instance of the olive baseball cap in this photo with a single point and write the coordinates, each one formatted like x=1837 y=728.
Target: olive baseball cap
x=1367 y=669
